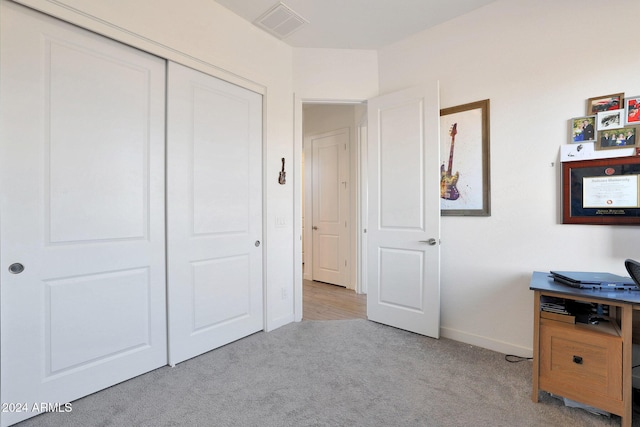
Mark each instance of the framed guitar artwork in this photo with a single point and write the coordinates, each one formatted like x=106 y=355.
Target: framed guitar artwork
x=464 y=151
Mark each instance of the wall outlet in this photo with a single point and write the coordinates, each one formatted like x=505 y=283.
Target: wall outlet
x=283 y=293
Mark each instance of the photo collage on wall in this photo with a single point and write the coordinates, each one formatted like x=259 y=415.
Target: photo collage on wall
x=601 y=163
x=611 y=122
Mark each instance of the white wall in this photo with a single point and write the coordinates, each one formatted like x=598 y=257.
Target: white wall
x=538 y=62
x=335 y=74
x=204 y=35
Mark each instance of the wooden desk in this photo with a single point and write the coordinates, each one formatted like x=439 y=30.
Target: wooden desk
x=590 y=364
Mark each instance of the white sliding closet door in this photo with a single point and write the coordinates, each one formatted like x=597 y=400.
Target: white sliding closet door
x=82 y=212
x=214 y=212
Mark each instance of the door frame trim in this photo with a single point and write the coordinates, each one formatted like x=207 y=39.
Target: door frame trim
x=362 y=210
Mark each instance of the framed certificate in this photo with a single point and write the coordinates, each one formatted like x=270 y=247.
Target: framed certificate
x=604 y=191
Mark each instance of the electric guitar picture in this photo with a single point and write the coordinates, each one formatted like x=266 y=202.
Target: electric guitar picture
x=448 y=190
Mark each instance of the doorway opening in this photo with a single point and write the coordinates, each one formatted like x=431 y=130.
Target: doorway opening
x=332 y=144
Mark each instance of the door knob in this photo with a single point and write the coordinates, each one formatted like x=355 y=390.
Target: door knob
x=257 y=243
x=430 y=242
x=314 y=227
x=16 y=268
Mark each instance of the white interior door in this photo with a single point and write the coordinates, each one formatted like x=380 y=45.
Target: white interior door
x=82 y=210
x=404 y=210
x=214 y=213
x=330 y=171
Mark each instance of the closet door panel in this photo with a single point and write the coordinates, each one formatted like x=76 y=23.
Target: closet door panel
x=82 y=211
x=214 y=212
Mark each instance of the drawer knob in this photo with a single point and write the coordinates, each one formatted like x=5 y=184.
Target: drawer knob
x=577 y=359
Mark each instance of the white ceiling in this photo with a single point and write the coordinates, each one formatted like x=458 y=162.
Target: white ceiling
x=357 y=24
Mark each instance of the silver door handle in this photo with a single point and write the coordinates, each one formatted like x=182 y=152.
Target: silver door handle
x=430 y=242
x=257 y=243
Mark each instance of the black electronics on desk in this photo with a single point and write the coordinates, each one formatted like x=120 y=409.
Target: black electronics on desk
x=593 y=280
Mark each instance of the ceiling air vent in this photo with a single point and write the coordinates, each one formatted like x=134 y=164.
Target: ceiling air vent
x=280 y=21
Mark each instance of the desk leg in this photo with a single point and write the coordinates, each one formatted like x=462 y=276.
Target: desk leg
x=627 y=363
x=536 y=346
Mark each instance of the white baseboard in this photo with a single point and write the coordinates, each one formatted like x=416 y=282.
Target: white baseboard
x=485 y=342
x=279 y=322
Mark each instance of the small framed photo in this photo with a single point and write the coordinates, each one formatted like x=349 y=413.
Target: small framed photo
x=632 y=110
x=617 y=138
x=610 y=119
x=604 y=103
x=583 y=129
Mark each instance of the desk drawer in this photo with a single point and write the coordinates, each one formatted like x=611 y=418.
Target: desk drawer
x=581 y=364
